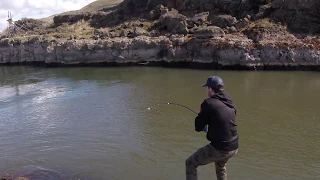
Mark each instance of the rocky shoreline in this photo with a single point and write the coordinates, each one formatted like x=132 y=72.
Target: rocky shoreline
x=228 y=52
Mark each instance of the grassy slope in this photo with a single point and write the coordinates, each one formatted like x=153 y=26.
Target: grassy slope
x=92 y=7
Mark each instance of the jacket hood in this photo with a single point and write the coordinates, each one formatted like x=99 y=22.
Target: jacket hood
x=225 y=98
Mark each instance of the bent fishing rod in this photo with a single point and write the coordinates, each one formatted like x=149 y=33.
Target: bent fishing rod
x=170 y=103
x=205 y=129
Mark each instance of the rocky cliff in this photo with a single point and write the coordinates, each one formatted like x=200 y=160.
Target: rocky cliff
x=250 y=34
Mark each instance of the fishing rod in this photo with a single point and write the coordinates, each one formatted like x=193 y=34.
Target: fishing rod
x=170 y=103
x=205 y=129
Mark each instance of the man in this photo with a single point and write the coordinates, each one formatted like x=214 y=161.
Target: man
x=218 y=114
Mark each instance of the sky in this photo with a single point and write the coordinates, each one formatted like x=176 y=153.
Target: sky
x=36 y=8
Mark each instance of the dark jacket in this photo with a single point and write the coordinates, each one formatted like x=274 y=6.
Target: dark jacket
x=219 y=113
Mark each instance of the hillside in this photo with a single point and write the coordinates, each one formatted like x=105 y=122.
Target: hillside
x=251 y=32
x=92 y=7
x=232 y=16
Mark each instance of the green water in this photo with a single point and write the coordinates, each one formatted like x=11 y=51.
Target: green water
x=93 y=123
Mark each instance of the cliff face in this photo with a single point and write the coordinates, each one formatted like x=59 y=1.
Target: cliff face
x=227 y=51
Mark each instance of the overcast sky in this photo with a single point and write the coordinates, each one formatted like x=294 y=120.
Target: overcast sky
x=36 y=8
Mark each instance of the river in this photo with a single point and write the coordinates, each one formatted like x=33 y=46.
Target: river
x=94 y=123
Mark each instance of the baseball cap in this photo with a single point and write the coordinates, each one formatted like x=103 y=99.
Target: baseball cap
x=215 y=82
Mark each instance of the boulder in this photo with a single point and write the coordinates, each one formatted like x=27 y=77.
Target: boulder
x=174 y=22
x=223 y=21
x=139 y=31
x=154 y=33
x=157 y=12
x=200 y=17
x=264 y=11
x=208 y=32
x=233 y=29
x=123 y=33
x=242 y=23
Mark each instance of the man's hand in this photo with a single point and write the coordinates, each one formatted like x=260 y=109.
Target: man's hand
x=202 y=119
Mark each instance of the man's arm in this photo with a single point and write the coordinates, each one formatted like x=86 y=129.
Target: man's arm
x=202 y=119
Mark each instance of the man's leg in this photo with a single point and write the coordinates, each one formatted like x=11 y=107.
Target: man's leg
x=221 y=168
x=202 y=156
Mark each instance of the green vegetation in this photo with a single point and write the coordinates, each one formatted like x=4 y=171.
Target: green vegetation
x=99 y=5
x=95 y=6
x=263 y=25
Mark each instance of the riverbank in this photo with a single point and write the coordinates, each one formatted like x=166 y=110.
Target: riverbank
x=227 y=52
x=180 y=65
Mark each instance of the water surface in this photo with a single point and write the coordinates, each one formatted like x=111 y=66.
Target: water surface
x=93 y=123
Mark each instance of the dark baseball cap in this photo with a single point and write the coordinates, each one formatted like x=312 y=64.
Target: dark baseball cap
x=215 y=82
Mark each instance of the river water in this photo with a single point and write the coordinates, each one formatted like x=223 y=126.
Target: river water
x=93 y=123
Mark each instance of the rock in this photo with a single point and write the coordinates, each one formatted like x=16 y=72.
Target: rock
x=157 y=12
x=164 y=11
x=123 y=33
x=223 y=21
x=152 y=4
x=200 y=18
x=233 y=29
x=264 y=11
x=154 y=33
x=177 y=40
x=208 y=32
x=101 y=33
x=300 y=15
x=181 y=28
x=242 y=23
x=139 y=31
x=174 y=22
x=190 y=24
x=248 y=16
x=153 y=15
x=160 y=7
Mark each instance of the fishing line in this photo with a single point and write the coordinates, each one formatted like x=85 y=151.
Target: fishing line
x=170 y=103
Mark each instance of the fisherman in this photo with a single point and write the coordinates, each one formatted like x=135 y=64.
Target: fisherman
x=217 y=118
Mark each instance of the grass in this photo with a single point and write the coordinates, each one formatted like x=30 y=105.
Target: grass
x=100 y=4
x=92 y=7
x=262 y=25
x=79 y=30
